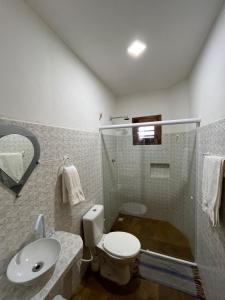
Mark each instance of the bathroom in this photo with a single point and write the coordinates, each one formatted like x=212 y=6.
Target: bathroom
x=76 y=78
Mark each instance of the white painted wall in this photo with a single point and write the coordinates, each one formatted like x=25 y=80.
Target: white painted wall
x=172 y=103
x=202 y=95
x=207 y=81
x=41 y=80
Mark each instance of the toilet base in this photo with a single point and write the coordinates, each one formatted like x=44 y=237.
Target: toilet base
x=120 y=275
x=119 y=272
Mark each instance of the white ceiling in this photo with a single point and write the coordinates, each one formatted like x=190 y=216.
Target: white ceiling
x=99 y=32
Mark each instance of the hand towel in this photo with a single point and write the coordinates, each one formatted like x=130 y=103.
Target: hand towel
x=213 y=172
x=71 y=186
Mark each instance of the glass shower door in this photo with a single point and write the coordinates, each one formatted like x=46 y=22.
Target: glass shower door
x=149 y=189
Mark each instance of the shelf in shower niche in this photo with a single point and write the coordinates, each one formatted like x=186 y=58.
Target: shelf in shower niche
x=159 y=170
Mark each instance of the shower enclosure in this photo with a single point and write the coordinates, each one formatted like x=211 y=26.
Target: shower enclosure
x=149 y=190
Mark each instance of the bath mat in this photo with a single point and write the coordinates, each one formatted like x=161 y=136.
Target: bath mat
x=172 y=274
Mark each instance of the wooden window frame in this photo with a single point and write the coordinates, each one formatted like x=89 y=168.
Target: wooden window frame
x=157 y=140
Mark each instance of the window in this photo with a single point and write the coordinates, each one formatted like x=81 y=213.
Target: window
x=147 y=135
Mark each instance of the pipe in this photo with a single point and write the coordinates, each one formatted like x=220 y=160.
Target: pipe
x=155 y=123
x=181 y=261
x=89 y=259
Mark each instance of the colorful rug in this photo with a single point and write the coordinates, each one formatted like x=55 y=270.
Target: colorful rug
x=172 y=274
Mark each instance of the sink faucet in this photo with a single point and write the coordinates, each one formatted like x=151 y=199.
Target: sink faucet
x=40 y=227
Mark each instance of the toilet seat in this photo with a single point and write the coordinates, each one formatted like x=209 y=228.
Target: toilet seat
x=121 y=244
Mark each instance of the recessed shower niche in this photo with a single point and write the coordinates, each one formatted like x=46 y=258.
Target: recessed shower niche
x=159 y=170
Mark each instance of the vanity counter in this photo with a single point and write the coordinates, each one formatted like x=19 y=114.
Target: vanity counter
x=71 y=254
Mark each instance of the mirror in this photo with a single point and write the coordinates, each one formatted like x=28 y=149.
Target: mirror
x=16 y=154
x=19 y=154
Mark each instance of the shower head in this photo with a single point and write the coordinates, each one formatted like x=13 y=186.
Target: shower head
x=126 y=118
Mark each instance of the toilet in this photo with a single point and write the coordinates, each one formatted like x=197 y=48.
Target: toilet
x=115 y=253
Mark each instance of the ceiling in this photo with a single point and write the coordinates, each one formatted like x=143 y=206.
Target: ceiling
x=99 y=32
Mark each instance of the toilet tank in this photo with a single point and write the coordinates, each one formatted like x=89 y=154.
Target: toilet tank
x=93 y=225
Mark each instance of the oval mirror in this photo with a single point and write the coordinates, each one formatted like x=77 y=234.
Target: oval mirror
x=19 y=154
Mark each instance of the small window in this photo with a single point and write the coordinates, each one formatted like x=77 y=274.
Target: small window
x=147 y=135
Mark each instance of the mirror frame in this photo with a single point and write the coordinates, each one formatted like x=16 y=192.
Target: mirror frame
x=7 y=128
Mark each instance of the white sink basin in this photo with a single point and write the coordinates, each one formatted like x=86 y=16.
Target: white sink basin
x=33 y=261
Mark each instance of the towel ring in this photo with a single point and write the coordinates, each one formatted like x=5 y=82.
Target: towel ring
x=65 y=159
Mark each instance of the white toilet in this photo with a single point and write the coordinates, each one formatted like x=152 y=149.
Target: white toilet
x=114 y=253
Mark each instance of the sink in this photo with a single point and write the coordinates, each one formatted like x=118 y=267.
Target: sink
x=34 y=261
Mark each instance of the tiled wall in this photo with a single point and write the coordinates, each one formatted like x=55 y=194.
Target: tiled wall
x=211 y=241
x=189 y=227
x=41 y=192
x=166 y=197
x=110 y=179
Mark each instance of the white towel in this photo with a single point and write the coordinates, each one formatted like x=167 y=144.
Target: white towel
x=71 y=187
x=12 y=165
x=213 y=172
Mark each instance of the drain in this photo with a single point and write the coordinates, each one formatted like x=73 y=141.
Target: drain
x=37 y=267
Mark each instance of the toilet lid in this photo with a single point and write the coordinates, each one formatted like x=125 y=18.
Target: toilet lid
x=121 y=244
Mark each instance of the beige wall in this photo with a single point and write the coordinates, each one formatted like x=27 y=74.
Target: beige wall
x=172 y=103
x=207 y=81
x=41 y=80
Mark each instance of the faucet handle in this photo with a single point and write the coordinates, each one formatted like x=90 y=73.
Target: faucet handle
x=50 y=234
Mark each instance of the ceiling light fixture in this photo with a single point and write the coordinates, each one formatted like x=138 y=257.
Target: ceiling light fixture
x=136 y=48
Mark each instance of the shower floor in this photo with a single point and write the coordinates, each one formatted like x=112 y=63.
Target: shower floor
x=156 y=235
